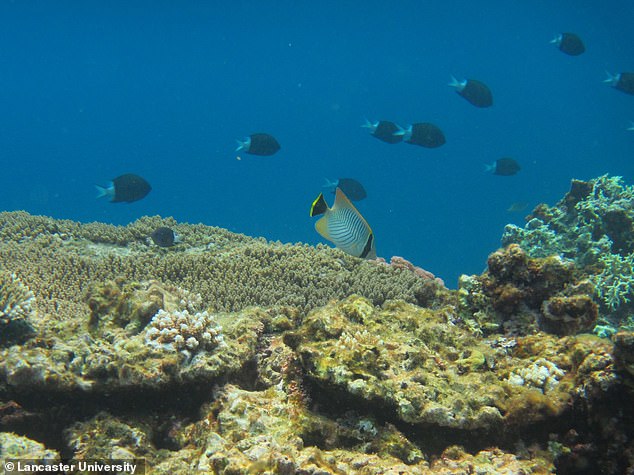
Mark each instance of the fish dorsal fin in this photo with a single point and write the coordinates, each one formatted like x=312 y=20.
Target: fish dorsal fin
x=319 y=206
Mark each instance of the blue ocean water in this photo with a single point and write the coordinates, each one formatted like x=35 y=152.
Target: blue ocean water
x=92 y=90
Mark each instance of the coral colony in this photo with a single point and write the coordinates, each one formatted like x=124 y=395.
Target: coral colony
x=237 y=349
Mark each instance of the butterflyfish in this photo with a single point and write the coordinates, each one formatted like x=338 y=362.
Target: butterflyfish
x=344 y=226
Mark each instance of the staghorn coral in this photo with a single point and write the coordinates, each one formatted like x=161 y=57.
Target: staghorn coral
x=182 y=331
x=615 y=283
x=16 y=310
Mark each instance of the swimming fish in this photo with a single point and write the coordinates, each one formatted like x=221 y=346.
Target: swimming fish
x=165 y=237
x=569 y=43
x=344 y=226
x=622 y=81
x=125 y=188
x=351 y=188
x=424 y=134
x=503 y=167
x=383 y=130
x=517 y=207
x=259 y=144
x=476 y=92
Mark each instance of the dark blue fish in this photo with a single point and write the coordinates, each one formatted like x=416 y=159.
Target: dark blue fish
x=353 y=189
x=424 y=134
x=474 y=91
x=624 y=82
x=504 y=167
x=165 y=237
x=569 y=43
x=259 y=144
x=125 y=189
x=383 y=130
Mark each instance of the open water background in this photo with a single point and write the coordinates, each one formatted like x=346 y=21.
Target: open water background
x=93 y=89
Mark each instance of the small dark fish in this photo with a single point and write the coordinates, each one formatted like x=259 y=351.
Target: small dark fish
x=423 y=134
x=623 y=82
x=351 y=188
x=165 y=237
x=569 y=43
x=259 y=144
x=383 y=130
x=125 y=188
x=476 y=92
x=504 y=167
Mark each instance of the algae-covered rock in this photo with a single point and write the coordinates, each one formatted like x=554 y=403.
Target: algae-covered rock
x=424 y=368
x=523 y=294
x=115 y=360
x=13 y=446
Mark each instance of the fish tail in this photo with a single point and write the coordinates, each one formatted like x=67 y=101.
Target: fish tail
x=489 y=167
x=400 y=132
x=454 y=82
x=241 y=145
x=612 y=79
x=330 y=185
x=101 y=191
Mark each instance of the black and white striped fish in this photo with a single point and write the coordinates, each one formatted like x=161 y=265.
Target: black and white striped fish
x=344 y=226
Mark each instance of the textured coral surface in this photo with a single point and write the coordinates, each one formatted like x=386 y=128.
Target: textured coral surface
x=230 y=355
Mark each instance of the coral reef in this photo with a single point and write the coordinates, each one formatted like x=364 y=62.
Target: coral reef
x=66 y=260
x=16 y=310
x=230 y=355
x=519 y=293
x=593 y=226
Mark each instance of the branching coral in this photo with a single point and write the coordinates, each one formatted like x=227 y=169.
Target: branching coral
x=615 y=284
x=16 y=308
x=182 y=331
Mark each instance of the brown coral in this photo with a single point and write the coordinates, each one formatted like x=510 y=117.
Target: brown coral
x=523 y=291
